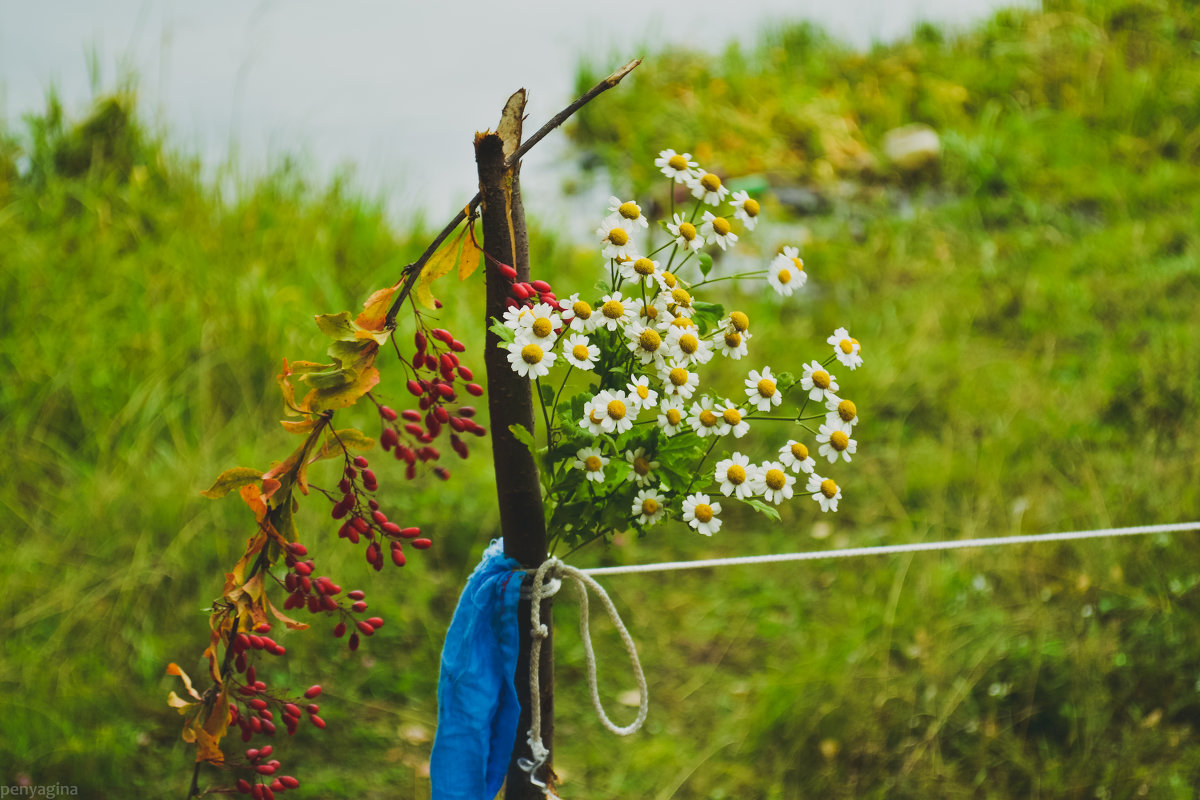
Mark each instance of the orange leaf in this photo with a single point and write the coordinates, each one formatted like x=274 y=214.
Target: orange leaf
x=207 y=746
x=175 y=669
x=299 y=427
x=469 y=261
x=342 y=396
x=285 y=619
x=375 y=309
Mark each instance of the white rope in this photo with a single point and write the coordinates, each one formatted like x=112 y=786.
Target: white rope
x=545 y=586
x=917 y=547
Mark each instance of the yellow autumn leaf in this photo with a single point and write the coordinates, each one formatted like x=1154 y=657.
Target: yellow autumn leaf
x=439 y=264
x=469 y=261
x=375 y=310
x=175 y=669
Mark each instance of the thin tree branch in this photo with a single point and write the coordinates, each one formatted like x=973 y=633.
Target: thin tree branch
x=413 y=271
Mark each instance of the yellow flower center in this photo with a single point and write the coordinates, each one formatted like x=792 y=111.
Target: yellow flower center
x=673 y=416
x=854 y=342
x=799 y=451
x=710 y=182
x=595 y=420
x=649 y=340
x=580 y=352
x=542 y=327
x=688 y=343
x=669 y=280
x=641 y=465
x=775 y=479
x=612 y=309
x=721 y=226
x=703 y=512
x=681 y=297
x=739 y=321
x=687 y=230
x=784 y=276
x=766 y=387
x=677 y=162
x=847 y=410
x=708 y=419
x=650 y=505
x=642 y=391
x=643 y=267
x=839 y=440
x=799 y=264
x=616 y=409
x=847 y=346
x=682 y=322
x=679 y=376
x=733 y=339
x=732 y=416
x=649 y=312
x=593 y=464
x=581 y=309
x=621 y=258
x=750 y=207
x=829 y=488
x=618 y=236
x=629 y=210
x=820 y=379
x=736 y=474
x=531 y=354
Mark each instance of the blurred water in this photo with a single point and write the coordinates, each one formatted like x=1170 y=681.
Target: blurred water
x=394 y=89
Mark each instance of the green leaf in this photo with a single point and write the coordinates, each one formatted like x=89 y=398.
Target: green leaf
x=522 y=435
x=339 y=327
x=333 y=379
x=507 y=335
x=547 y=394
x=705 y=264
x=707 y=314
x=763 y=508
x=232 y=479
x=355 y=355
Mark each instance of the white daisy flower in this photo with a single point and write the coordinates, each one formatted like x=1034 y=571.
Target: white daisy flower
x=668 y=279
x=846 y=348
x=595 y=414
x=529 y=360
x=786 y=273
x=614 y=313
x=579 y=352
x=706 y=421
x=708 y=188
x=717 y=230
x=538 y=326
x=641 y=394
x=736 y=475
x=745 y=208
x=678 y=167
x=670 y=418
x=842 y=412
x=817 y=382
x=835 y=440
x=646 y=343
x=679 y=381
x=773 y=483
x=649 y=313
x=642 y=468
x=678 y=301
x=730 y=343
x=627 y=210
x=641 y=270
x=702 y=514
x=737 y=321
x=619 y=412
x=649 y=505
x=685 y=233
x=795 y=455
x=824 y=491
x=617 y=240
x=513 y=316
x=579 y=314
x=685 y=346
x=732 y=416
x=592 y=463
x=762 y=391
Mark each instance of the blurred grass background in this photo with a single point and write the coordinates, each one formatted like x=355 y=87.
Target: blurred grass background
x=1028 y=305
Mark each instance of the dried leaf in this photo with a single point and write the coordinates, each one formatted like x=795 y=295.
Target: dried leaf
x=439 y=264
x=175 y=669
x=350 y=438
x=469 y=261
x=375 y=310
x=285 y=619
x=175 y=701
x=207 y=746
x=231 y=479
x=341 y=397
x=299 y=427
x=338 y=327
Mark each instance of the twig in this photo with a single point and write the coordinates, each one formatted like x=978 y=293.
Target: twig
x=413 y=271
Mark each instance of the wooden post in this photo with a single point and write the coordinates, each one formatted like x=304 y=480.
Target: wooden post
x=510 y=402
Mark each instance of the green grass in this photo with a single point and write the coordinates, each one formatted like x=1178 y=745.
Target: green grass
x=1028 y=313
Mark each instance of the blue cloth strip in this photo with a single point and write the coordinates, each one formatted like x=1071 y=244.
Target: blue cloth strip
x=477 y=700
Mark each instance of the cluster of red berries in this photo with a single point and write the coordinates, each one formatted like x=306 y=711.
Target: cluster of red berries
x=265 y=770
x=364 y=519
x=526 y=293
x=410 y=433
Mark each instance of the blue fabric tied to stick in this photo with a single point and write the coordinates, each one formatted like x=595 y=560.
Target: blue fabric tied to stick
x=477 y=699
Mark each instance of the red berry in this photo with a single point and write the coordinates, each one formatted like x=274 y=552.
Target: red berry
x=339 y=630
x=507 y=272
x=442 y=334
x=267 y=794
x=357 y=594
x=257 y=703
x=419 y=340
x=368 y=476
x=366 y=628
x=387 y=413
x=422 y=544
x=265 y=769
x=389 y=438
x=442 y=473
x=541 y=286
x=252 y=753
x=302 y=568
x=415 y=388
x=266 y=751
x=519 y=291
x=320 y=723
x=313 y=691
x=313 y=708
x=361 y=462
x=474 y=389
x=292 y=709
x=398 y=556
x=359 y=606
x=289 y=781
x=277 y=786
x=297 y=549
x=268 y=727
x=375 y=622
x=353 y=641
x=243 y=786
x=458 y=346
x=414 y=429
x=379 y=517
x=466 y=374
x=410 y=533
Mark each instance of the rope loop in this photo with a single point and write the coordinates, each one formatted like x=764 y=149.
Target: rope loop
x=546 y=583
